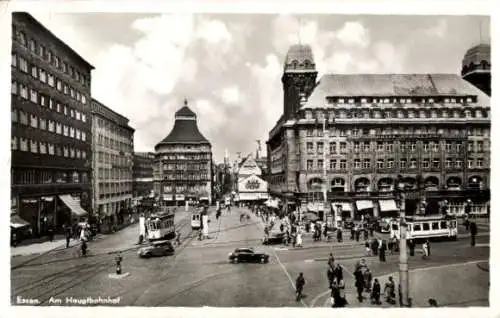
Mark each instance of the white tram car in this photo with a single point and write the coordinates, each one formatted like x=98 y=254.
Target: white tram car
x=160 y=225
x=196 y=221
x=420 y=228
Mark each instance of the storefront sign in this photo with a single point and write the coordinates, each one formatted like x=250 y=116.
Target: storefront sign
x=252 y=185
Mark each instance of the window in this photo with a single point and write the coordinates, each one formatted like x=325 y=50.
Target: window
x=78 y=115
x=59 y=85
x=417 y=227
x=333 y=147
x=470 y=146
x=84 y=99
x=43 y=76
x=425 y=226
x=51 y=149
x=13 y=88
x=84 y=137
x=33 y=96
x=23 y=144
x=436 y=163
x=357 y=163
x=380 y=146
x=449 y=163
x=43 y=147
x=320 y=164
x=458 y=163
x=58 y=128
x=21 y=37
x=33 y=146
x=310 y=133
x=77 y=134
x=65 y=130
x=23 y=65
x=49 y=56
x=343 y=164
x=309 y=164
x=56 y=61
x=51 y=125
x=380 y=164
x=13 y=143
x=64 y=67
x=435 y=146
x=51 y=80
x=320 y=147
x=72 y=132
x=343 y=147
x=72 y=152
x=23 y=117
x=13 y=61
x=41 y=51
x=479 y=163
x=426 y=146
x=66 y=89
x=333 y=164
x=458 y=146
x=33 y=121
x=84 y=154
x=366 y=146
x=390 y=163
x=72 y=113
x=13 y=115
x=448 y=146
x=310 y=148
x=43 y=123
x=479 y=146
x=34 y=71
x=65 y=152
x=356 y=147
x=389 y=146
x=366 y=164
x=413 y=163
x=435 y=225
x=65 y=110
x=78 y=154
x=403 y=163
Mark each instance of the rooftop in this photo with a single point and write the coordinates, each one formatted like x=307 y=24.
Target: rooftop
x=388 y=85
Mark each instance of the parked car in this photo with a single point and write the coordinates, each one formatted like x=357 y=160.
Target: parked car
x=274 y=238
x=157 y=248
x=247 y=255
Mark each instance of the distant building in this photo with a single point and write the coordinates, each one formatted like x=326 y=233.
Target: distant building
x=183 y=162
x=476 y=67
x=366 y=129
x=142 y=185
x=51 y=128
x=113 y=148
x=251 y=186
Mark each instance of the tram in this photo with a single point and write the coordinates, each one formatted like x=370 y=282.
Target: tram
x=196 y=221
x=160 y=225
x=420 y=228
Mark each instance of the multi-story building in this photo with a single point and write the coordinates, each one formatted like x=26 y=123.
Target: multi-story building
x=183 y=162
x=112 y=163
x=51 y=128
x=143 y=174
x=352 y=136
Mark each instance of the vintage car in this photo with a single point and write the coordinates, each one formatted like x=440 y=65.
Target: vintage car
x=157 y=248
x=247 y=255
x=274 y=238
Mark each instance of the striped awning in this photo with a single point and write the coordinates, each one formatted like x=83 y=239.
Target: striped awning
x=387 y=205
x=73 y=205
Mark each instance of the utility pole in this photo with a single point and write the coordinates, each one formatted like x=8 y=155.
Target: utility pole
x=404 y=280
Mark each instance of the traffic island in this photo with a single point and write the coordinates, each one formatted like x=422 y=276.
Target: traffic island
x=118 y=276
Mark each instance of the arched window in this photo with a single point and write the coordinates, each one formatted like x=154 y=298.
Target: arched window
x=484 y=64
x=295 y=63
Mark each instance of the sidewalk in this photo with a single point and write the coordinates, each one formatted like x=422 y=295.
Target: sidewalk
x=457 y=285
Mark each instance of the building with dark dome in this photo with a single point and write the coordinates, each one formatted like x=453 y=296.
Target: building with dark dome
x=476 y=67
x=182 y=167
x=351 y=136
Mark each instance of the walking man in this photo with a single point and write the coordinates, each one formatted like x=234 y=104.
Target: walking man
x=473 y=233
x=411 y=246
x=375 y=295
x=299 y=286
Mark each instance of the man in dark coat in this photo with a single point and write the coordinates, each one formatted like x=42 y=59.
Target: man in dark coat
x=473 y=233
x=359 y=284
x=299 y=286
x=339 y=235
x=411 y=246
x=382 y=252
x=375 y=295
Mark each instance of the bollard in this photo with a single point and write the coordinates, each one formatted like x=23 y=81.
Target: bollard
x=118 y=260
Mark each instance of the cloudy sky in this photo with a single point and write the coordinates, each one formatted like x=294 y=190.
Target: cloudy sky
x=229 y=65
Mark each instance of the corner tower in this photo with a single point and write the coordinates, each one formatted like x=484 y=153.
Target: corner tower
x=299 y=78
x=476 y=67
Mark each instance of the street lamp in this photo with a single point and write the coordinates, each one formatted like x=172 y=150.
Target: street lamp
x=404 y=280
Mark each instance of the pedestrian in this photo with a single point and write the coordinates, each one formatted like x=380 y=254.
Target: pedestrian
x=375 y=294
x=358 y=234
x=466 y=223
x=473 y=233
x=330 y=274
x=367 y=249
x=425 y=250
x=390 y=291
x=299 y=286
x=411 y=246
x=382 y=252
x=339 y=275
x=51 y=233
x=359 y=284
x=374 y=247
x=68 y=236
x=365 y=234
x=368 y=279
x=331 y=261
x=353 y=231
x=371 y=229
x=339 y=235
x=299 y=240
x=177 y=238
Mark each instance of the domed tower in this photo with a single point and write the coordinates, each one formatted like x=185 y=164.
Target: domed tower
x=299 y=78
x=476 y=67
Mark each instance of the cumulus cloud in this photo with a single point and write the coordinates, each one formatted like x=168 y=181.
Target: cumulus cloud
x=438 y=30
x=230 y=95
x=354 y=34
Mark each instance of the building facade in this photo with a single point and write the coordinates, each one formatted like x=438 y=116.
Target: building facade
x=352 y=136
x=143 y=174
x=51 y=128
x=112 y=163
x=183 y=162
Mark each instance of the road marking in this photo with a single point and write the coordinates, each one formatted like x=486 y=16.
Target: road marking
x=315 y=300
x=309 y=260
x=483 y=245
x=281 y=249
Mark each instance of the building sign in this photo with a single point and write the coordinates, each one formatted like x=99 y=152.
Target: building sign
x=179 y=197
x=252 y=184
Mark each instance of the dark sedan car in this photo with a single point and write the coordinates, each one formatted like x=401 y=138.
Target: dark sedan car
x=158 y=248
x=247 y=255
x=275 y=238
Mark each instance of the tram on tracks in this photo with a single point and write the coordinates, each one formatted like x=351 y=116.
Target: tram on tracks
x=160 y=225
x=427 y=227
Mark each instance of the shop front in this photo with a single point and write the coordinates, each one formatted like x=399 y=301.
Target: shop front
x=388 y=209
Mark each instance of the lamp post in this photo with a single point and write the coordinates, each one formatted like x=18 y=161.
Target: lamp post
x=404 y=280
